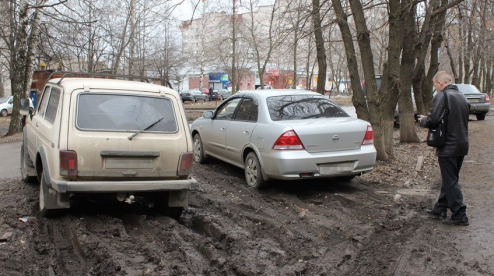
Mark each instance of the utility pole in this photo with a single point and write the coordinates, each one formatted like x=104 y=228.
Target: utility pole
x=203 y=24
x=234 y=42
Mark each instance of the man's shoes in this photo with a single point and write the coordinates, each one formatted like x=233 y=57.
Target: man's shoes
x=434 y=215
x=457 y=222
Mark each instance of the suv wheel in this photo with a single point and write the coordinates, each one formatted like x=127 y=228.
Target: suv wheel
x=253 y=171
x=4 y=113
x=25 y=177
x=199 y=155
x=480 y=116
x=161 y=206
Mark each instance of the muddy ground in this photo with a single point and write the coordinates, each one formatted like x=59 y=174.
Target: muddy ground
x=373 y=225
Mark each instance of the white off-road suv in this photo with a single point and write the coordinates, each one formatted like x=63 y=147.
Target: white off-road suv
x=94 y=135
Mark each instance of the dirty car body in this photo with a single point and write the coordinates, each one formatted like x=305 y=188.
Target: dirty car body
x=108 y=136
x=285 y=134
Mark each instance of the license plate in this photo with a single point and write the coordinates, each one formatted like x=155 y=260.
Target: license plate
x=474 y=100
x=333 y=168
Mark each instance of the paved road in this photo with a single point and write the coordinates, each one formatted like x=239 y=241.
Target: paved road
x=10 y=162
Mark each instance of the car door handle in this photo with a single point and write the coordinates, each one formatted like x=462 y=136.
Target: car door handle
x=37 y=125
x=246 y=131
x=222 y=129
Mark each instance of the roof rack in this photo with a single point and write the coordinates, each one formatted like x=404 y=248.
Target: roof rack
x=63 y=75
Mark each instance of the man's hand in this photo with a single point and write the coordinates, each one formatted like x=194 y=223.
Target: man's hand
x=420 y=117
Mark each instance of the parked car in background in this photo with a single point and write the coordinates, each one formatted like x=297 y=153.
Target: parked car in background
x=6 y=104
x=285 y=134
x=480 y=103
x=129 y=139
x=198 y=95
x=193 y=96
x=221 y=94
x=266 y=86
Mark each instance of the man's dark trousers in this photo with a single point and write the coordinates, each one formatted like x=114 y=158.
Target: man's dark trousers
x=451 y=196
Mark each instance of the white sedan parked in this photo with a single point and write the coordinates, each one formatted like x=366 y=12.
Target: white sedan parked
x=285 y=134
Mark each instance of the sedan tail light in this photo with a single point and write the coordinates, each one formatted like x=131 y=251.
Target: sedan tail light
x=288 y=141
x=68 y=163
x=487 y=99
x=185 y=164
x=369 y=136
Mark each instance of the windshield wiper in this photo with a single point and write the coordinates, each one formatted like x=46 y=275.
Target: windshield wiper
x=150 y=126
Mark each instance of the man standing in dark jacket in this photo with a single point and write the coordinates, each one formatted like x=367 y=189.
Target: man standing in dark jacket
x=451 y=155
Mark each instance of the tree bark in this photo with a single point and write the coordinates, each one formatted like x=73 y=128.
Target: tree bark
x=321 y=50
x=374 y=99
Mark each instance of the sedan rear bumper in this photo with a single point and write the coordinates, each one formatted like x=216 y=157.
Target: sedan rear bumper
x=479 y=108
x=123 y=186
x=297 y=164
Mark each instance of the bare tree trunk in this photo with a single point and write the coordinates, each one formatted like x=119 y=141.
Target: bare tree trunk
x=405 y=103
x=321 y=50
x=358 y=98
x=21 y=60
x=373 y=97
x=452 y=63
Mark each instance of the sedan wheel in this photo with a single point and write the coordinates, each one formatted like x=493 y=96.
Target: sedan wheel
x=199 y=155
x=253 y=172
x=4 y=113
x=481 y=116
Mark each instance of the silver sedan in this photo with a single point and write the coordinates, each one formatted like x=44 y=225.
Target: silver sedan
x=285 y=134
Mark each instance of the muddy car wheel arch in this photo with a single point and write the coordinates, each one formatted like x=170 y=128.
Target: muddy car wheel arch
x=253 y=171
x=199 y=155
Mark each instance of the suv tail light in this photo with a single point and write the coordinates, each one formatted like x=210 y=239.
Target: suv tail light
x=369 y=136
x=487 y=99
x=288 y=141
x=68 y=163
x=185 y=163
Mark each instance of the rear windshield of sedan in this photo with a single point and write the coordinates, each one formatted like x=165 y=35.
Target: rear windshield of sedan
x=124 y=112
x=467 y=88
x=296 y=107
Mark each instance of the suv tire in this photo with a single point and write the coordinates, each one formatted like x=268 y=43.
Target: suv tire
x=25 y=178
x=480 y=116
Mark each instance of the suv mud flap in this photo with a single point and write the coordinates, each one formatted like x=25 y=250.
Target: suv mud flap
x=55 y=200
x=178 y=198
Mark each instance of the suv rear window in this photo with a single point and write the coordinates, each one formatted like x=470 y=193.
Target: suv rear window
x=296 y=107
x=124 y=112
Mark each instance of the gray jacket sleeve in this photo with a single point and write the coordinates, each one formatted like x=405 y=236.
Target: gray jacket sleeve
x=436 y=113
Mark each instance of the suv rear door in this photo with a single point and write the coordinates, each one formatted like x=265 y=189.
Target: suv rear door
x=124 y=134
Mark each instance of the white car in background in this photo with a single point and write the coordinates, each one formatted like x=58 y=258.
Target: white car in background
x=285 y=134
x=6 y=104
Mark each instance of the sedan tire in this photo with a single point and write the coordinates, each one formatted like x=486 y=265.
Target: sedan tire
x=199 y=155
x=480 y=116
x=253 y=172
x=4 y=113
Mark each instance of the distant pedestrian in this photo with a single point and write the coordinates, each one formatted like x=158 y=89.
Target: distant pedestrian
x=211 y=93
x=450 y=156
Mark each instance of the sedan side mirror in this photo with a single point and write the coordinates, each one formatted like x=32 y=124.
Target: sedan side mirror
x=208 y=114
